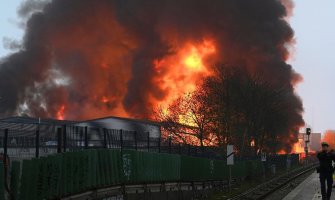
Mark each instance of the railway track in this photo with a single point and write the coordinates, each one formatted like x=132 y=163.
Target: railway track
x=264 y=190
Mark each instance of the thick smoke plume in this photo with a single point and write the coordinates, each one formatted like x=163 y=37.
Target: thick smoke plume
x=84 y=58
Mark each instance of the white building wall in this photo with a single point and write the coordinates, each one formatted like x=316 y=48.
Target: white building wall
x=124 y=124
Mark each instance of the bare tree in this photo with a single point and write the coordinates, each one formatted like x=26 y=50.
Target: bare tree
x=188 y=119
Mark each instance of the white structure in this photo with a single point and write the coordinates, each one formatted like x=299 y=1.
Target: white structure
x=315 y=141
x=127 y=124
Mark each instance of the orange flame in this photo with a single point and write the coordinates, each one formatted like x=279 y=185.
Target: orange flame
x=183 y=71
x=299 y=147
x=60 y=113
x=104 y=99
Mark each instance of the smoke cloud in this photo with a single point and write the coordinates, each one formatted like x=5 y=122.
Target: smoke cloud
x=117 y=57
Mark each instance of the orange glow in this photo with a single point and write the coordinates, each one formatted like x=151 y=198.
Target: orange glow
x=299 y=147
x=329 y=137
x=104 y=99
x=281 y=152
x=180 y=73
x=252 y=143
x=60 y=113
x=194 y=55
x=193 y=61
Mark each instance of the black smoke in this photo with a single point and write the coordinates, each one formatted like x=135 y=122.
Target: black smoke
x=74 y=52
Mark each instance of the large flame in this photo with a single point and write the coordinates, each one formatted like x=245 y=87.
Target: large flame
x=181 y=72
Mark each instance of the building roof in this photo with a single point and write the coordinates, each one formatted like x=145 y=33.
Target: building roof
x=142 y=121
x=31 y=120
x=29 y=123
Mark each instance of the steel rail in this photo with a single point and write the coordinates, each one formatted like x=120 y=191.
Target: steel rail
x=265 y=189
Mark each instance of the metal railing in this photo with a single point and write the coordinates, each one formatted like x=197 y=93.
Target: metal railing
x=24 y=141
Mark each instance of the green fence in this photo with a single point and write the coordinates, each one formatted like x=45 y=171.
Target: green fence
x=144 y=167
x=75 y=172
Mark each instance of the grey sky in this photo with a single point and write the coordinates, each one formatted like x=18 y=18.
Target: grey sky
x=313 y=58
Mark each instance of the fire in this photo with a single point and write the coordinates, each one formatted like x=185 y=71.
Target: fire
x=183 y=71
x=298 y=147
x=187 y=119
x=194 y=60
x=60 y=113
x=196 y=54
x=104 y=99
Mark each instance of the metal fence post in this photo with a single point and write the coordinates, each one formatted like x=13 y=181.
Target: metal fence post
x=135 y=138
x=5 y=142
x=170 y=138
x=81 y=134
x=59 y=140
x=86 y=138
x=159 y=144
x=105 y=138
x=76 y=141
x=121 y=139
x=148 y=142
x=37 y=142
x=64 y=138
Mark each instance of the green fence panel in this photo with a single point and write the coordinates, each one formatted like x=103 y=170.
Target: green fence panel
x=116 y=170
x=32 y=194
x=129 y=166
x=93 y=167
x=167 y=167
x=254 y=168
x=2 y=182
x=75 y=171
x=201 y=169
x=101 y=162
x=14 y=179
x=220 y=170
x=48 y=176
x=64 y=169
x=150 y=167
x=106 y=166
x=87 y=169
x=195 y=169
x=98 y=170
x=69 y=172
x=239 y=170
x=58 y=180
x=83 y=170
x=40 y=178
x=25 y=180
x=144 y=166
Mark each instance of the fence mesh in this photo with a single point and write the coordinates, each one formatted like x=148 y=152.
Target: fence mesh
x=26 y=140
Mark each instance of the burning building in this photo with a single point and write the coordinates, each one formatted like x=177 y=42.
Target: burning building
x=84 y=59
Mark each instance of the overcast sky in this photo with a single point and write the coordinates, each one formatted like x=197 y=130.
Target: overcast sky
x=314 y=56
